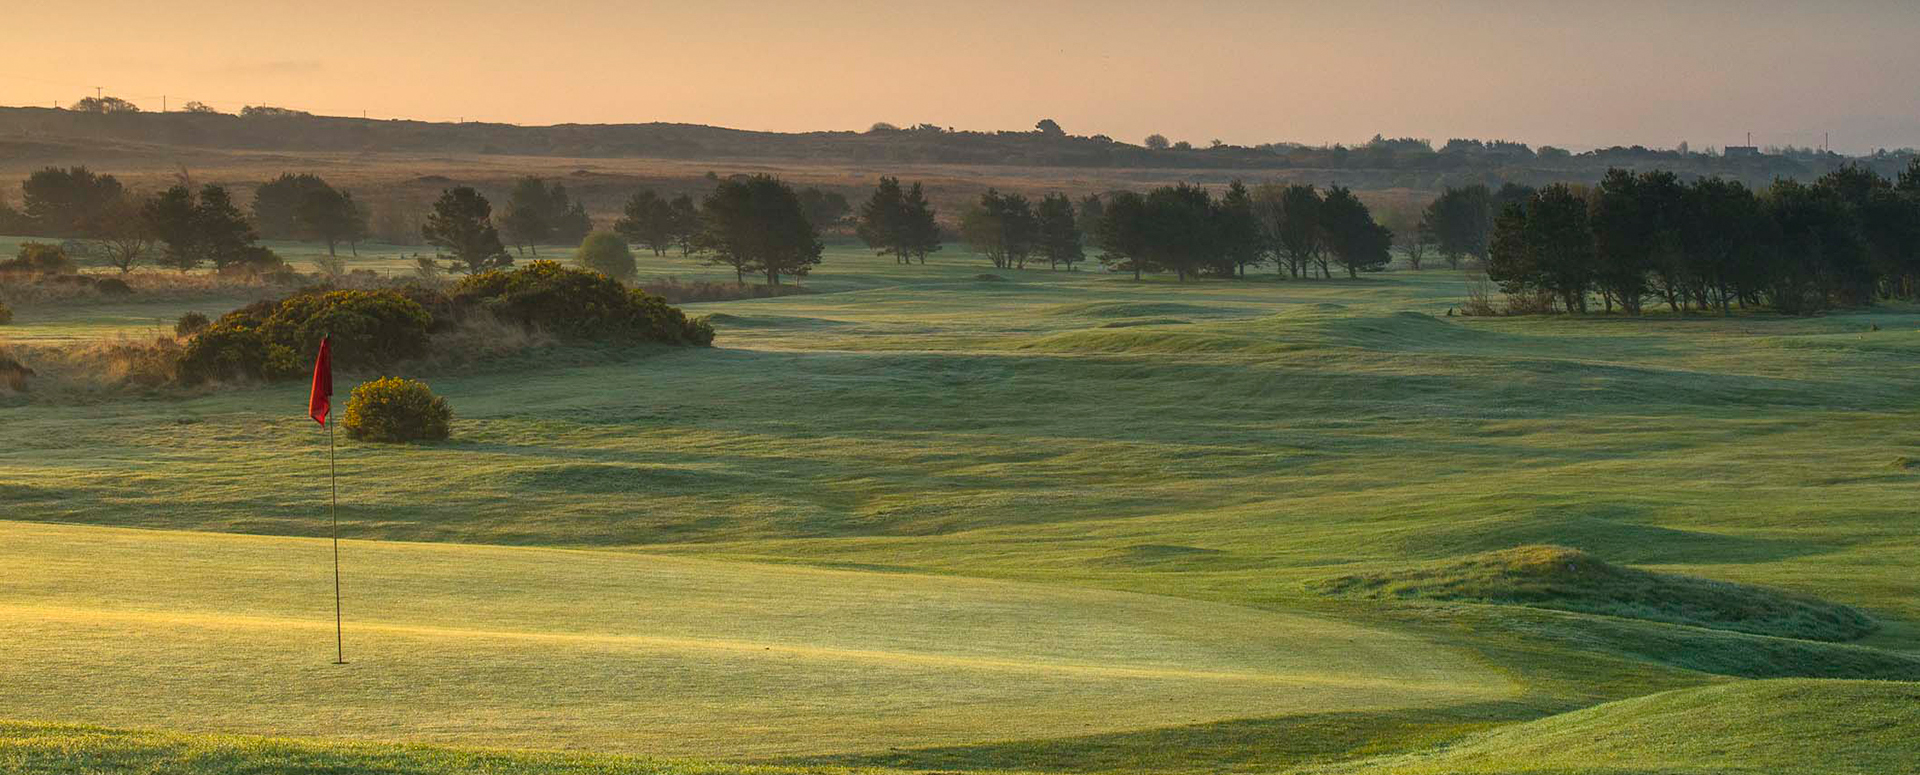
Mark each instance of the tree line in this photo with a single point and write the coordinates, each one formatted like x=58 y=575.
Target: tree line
x=1185 y=230
x=1709 y=244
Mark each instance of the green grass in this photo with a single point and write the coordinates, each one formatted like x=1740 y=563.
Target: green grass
x=50 y=749
x=1156 y=495
x=637 y=653
x=1817 y=726
x=1572 y=580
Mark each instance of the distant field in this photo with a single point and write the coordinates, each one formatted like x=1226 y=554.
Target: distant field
x=1039 y=521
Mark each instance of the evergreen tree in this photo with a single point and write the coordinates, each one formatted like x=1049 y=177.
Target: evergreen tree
x=758 y=225
x=1059 y=234
x=461 y=223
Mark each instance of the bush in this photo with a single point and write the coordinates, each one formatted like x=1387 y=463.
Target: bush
x=276 y=340
x=13 y=373
x=579 y=304
x=190 y=324
x=396 y=410
x=6 y=314
x=608 y=254
x=38 y=258
x=234 y=350
x=113 y=286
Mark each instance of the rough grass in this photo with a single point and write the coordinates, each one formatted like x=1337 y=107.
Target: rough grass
x=1864 y=727
x=1572 y=580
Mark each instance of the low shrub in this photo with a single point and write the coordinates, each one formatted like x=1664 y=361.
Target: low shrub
x=113 y=286
x=274 y=340
x=190 y=323
x=577 y=304
x=607 y=253
x=6 y=314
x=38 y=258
x=395 y=410
x=232 y=349
x=13 y=373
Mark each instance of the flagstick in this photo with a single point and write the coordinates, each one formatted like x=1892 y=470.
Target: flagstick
x=339 y=635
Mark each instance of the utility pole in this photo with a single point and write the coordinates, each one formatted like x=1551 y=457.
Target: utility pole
x=97 y=90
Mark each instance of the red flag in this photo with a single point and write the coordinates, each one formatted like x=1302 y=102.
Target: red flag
x=320 y=401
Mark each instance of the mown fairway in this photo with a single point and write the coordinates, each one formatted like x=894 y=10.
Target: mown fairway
x=1050 y=521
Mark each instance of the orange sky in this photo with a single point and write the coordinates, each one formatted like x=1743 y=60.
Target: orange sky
x=1572 y=74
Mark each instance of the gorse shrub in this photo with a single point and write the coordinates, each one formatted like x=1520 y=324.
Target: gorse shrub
x=275 y=340
x=190 y=323
x=396 y=410
x=38 y=258
x=578 y=304
x=369 y=328
x=607 y=253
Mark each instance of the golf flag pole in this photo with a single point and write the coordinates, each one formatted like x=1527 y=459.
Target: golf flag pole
x=320 y=408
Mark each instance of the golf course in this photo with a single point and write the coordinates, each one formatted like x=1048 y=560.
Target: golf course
x=957 y=518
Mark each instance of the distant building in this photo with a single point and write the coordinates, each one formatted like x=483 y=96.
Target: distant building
x=1740 y=151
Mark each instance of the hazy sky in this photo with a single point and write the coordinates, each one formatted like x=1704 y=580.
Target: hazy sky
x=1571 y=74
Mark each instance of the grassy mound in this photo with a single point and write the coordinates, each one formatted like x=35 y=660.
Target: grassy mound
x=1799 y=726
x=1572 y=580
x=46 y=749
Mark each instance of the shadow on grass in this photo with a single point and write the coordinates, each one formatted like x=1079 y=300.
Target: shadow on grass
x=1242 y=745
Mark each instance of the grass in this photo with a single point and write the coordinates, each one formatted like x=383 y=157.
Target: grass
x=1572 y=580
x=1820 y=726
x=1151 y=496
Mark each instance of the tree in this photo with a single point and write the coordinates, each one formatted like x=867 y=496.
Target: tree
x=1049 y=128
x=1460 y=222
x=223 y=233
x=648 y=220
x=606 y=252
x=1122 y=232
x=108 y=104
x=1718 y=237
x=1157 y=142
x=277 y=204
x=1058 y=234
x=825 y=209
x=756 y=224
x=123 y=235
x=1415 y=242
x=686 y=224
x=1003 y=227
x=529 y=217
x=196 y=106
x=922 y=231
x=1352 y=237
x=170 y=217
x=461 y=223
x=1290 y=218
x=329 y=215
x=201 y=227
x=898 y=222
x=1180 y=230
x=883 y=220
x=1241 y=245
x=1545 y=245
x=68 y=202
